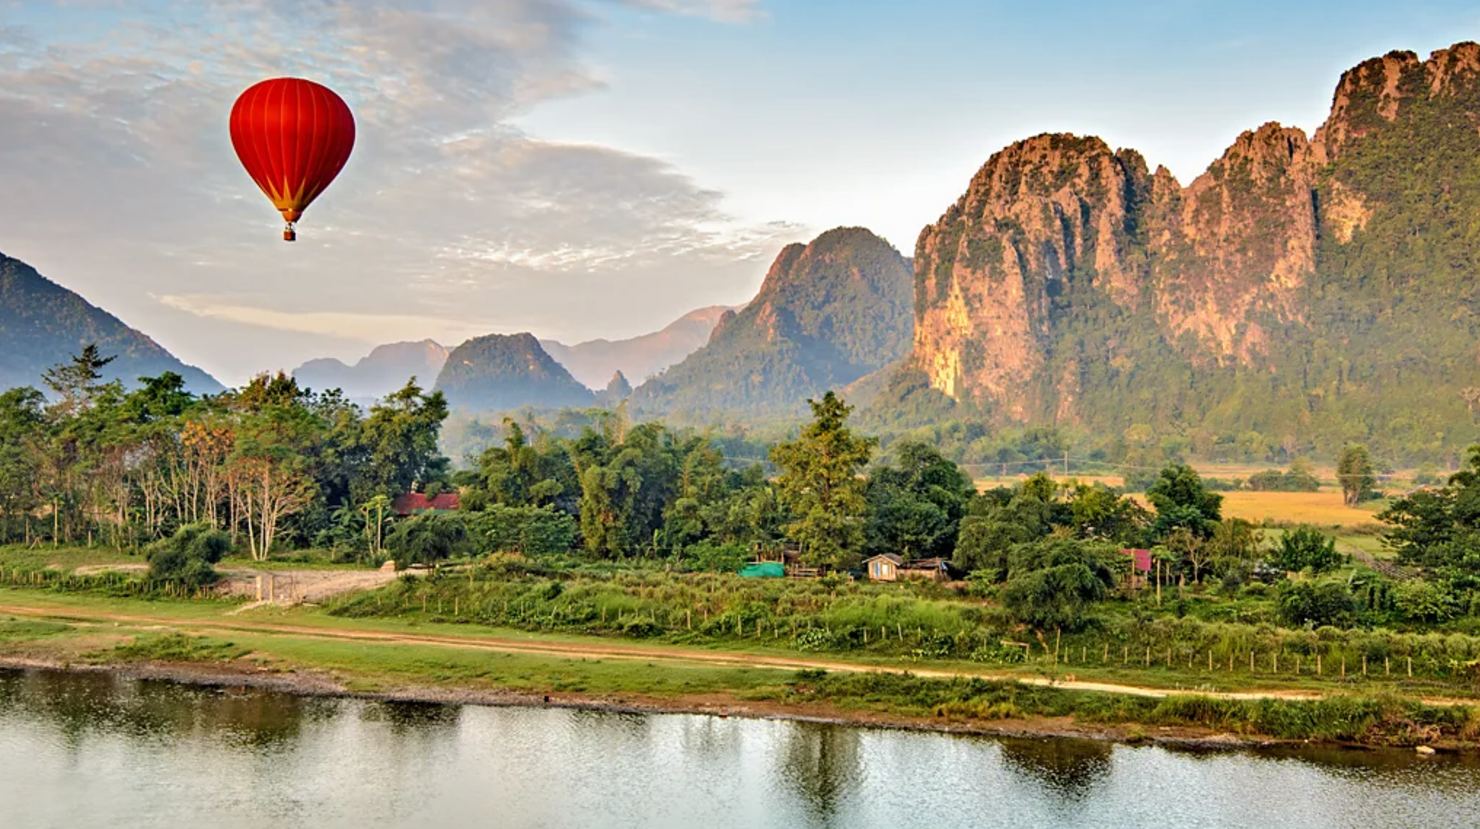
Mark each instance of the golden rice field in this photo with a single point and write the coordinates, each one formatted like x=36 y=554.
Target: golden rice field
x=1324 y=508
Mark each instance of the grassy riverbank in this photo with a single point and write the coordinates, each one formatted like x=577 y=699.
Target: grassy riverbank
x=310 y=651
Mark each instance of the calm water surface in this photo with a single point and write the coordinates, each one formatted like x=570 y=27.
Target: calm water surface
x=94 y=751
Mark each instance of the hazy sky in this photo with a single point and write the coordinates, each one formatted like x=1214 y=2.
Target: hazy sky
x=589 y=168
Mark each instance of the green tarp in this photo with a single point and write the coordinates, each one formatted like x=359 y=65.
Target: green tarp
x=765 y=570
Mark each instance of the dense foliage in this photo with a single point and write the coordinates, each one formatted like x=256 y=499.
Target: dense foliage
x=270 y=463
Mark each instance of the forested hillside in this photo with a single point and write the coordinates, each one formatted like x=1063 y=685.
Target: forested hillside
x=42 y=324
x=500 y=372
x=827 y=314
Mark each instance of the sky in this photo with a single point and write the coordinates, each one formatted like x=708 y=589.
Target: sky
x=589 y=168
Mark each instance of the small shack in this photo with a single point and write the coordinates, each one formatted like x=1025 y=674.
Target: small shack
x=928 y=569
x=884 y=567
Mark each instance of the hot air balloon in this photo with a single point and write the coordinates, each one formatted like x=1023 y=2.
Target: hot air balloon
x=293 y=136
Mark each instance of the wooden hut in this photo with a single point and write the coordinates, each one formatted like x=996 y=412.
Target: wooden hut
x=929 y=569
x=884 y=568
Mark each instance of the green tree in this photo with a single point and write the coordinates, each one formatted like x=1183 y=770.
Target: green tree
x=77 y=383
x=523 y=473
x=400 y=442
x=915 y=508
x=1354 y=471
x=1305 y=546
x=1440 y=528
x=1053 y=583
x=1181 y=500
x=427 y=539
x=530 y=531
x=999 y=519
x=820 y=484
x=22 y=441
x=1303 y=603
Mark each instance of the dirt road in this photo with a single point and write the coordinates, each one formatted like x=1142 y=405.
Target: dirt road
x=603 y=650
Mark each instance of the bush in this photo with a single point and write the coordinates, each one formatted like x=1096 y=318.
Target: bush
x=1421 y=601
x=188 y=556
x=427 y=539
x=531 y=531
x=1305 y=546
x=716 y=558
x=1330 y=604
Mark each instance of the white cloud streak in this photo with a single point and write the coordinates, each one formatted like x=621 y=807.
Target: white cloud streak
x=121 y=181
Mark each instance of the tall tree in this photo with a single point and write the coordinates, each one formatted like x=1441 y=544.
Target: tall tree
x=1181 y=500
x=400 y=440
x=915 y=507
x=820 y=484
x=1354 y=471
x=78 y=382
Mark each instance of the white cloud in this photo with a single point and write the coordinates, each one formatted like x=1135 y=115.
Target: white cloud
x=121 y=182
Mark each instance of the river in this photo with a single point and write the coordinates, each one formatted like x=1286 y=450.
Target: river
x=95 y=750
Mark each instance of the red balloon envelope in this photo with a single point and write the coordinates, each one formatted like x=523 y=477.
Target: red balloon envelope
x=293 y=136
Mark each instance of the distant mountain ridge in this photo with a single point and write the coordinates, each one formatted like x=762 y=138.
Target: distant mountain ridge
x=384 y=370
x=43 y=324
x=829 y=313
x=500 y=372
x=595 y=361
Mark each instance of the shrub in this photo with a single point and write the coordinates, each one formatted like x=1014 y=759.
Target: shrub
x=188 y=556
x=716 y=558
x=427 y=539
x=1422 y=601
x=1305 y=546
x=1331 y=604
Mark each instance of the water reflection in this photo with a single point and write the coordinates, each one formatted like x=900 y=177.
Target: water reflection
x=94 y=750
x=1069 y=769
x=81 y=704
x=404 y=717
x=821 y=764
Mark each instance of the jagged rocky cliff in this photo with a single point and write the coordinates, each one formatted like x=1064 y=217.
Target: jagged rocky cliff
x=1306 y=286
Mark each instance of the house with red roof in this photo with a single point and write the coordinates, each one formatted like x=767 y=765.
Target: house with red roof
x=416 y=503
x=1140 y=567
